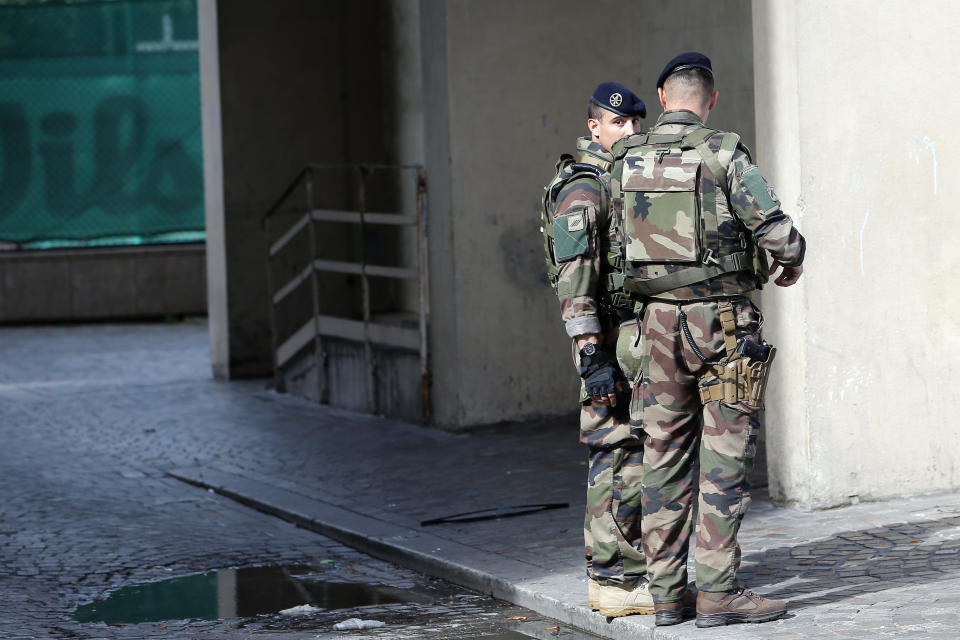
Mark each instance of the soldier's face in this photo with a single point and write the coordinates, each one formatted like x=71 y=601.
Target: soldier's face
x=611 y=127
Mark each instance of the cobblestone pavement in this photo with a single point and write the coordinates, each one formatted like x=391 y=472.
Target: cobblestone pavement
x=135 y=401
x=90 y=417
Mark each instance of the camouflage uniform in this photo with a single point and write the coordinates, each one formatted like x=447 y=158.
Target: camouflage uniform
x=612 y=536
x=721 y=440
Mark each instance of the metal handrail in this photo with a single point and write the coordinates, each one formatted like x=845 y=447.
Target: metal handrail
x=366 y=331
x=363 y=167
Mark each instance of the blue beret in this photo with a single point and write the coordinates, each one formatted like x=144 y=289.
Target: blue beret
x=615 y=97
x=689 y=60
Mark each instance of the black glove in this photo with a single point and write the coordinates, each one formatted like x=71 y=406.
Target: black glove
x=600 y=374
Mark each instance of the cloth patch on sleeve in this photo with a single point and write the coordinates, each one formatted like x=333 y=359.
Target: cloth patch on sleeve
x=570 y=237
x=754 y=182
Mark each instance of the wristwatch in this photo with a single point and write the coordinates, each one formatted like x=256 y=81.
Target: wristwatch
x=588 y=354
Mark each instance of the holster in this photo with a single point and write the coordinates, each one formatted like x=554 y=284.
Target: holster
x=736 y=378
x=740 y=380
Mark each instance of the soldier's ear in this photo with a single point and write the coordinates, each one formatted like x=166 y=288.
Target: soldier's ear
x=594 y=126
x=713 y=100
x=663 y=97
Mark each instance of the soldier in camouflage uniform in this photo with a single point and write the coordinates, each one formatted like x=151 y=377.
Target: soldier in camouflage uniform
x=583 y=238
x=698 y=219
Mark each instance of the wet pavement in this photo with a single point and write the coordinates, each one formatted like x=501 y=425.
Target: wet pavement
x=97 y=541
x=239 y=593
x=102 y=424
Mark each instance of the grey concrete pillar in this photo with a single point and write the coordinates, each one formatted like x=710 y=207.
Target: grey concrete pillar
x=856 y=135
x=217 y=307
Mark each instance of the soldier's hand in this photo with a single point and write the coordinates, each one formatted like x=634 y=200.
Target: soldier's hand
x=609 y=400
x=788 y=276
x=601 y=375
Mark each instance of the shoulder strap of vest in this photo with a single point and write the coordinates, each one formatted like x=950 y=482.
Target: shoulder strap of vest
x=582 y=167
x=728 y=144
x=636 y=140
x=664 y=138
x=550 y=194
x=550 y=191
x=578 y=170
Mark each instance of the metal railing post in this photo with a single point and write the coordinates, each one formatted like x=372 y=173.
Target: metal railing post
x=277 y=378
x=318 y=355
x=321 y=328
x=371 y=375
x=423 y=286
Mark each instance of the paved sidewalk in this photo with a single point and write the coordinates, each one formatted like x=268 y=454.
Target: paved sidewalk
x=881 y=570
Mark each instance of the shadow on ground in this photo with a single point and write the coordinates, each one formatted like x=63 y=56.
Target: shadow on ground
x=856 y=563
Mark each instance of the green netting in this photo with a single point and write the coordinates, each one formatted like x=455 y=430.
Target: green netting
x=100 y=139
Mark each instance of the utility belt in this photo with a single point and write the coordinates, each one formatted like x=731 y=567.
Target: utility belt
x=741 y=376
x=617 y=315
x=711 y=267
x=618 y=305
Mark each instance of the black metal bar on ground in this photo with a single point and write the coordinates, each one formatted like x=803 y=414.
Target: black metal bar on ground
x=495 y=513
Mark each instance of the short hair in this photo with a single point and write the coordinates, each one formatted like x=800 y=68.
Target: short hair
x=689 y=84
x=595 y=111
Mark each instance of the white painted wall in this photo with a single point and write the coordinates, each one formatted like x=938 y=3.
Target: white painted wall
x=855 y=117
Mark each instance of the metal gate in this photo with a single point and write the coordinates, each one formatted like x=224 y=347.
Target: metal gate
x=318 y=326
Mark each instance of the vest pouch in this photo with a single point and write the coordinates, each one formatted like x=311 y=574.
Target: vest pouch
x=661 y=206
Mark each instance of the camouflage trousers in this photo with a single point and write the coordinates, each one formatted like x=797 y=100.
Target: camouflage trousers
x=613 y=542
x=693 y=449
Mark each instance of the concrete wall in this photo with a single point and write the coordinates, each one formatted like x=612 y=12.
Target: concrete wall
x=855 y=134
x=113 y=283
x=858 y=137
x=503 y=91
x=506 y=89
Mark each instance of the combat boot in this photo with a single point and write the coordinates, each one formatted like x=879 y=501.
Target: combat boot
x=616 y=600
x=676 y=612
x=717 y=608
x=593 y=594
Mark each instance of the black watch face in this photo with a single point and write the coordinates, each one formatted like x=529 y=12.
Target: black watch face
x=589 y=349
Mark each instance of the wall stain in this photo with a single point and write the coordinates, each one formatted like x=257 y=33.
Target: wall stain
x=521 y=252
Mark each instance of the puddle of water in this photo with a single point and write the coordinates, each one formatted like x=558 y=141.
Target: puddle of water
x=233 y=593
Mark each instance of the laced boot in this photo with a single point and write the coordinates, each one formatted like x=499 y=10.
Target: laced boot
x=593 y=594
x=676 y=612
x=717 y=608
x=616 y=600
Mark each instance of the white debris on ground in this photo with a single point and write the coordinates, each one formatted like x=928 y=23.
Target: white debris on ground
x=357 y=623
x=302 y=610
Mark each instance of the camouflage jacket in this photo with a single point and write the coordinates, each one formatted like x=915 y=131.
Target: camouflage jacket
x=581 y=280
x=772 y=229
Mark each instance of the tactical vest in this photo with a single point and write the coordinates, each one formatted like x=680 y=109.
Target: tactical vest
x=567 y=171
x=670 y=224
